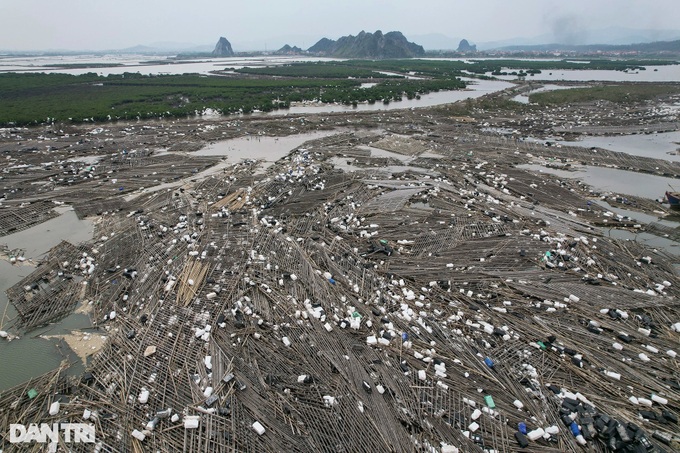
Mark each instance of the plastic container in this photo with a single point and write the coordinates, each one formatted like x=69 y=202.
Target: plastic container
x=535 y=434
x=574 y=429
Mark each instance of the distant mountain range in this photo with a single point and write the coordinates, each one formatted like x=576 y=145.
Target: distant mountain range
x=564 y=38
x=440 y=41
x=288 y=50
x=368 y=45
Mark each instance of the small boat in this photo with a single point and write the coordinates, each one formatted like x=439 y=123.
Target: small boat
x=673 y=199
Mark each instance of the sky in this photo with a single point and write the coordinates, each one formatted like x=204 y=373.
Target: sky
x=106 y=24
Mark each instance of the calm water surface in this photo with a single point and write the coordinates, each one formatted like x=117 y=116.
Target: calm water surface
x=30 y=356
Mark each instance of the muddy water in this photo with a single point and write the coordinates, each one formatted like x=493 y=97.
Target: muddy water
x=38 y=240
x=30 y=356
x=346 y=165
x=670 y=73
x=613 y=180
x=626 y=183
x=637 y=216
x=259 y=147
x=139 y=63
x=664 y=145
x=256 y=147
x=650 y=240
x=475 y=89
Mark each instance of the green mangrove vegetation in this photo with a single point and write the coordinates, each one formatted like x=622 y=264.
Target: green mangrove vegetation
x=35 y=98
x=317 y=70
x=38 y=98
x=455 y=68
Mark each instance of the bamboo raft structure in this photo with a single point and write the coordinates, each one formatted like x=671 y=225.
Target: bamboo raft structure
x=15 y=219
x=311 y=309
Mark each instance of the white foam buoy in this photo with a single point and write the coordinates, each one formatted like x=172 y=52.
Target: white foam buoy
x=259 y=429
x=143 y=396
x=54 y=408
x=659 y=399
x=191 y=421
x=613 y=375
x=645 y=402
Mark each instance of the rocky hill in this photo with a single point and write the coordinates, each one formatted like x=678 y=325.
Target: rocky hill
x=288 y=50
x=369 y=45
x=324 y=45
x=465 y=46
x=223 y=48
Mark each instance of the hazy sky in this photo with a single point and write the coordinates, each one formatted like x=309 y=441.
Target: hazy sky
x=116 y=24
